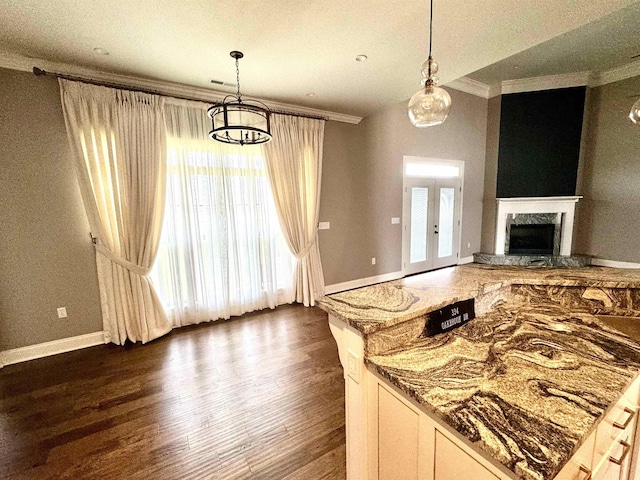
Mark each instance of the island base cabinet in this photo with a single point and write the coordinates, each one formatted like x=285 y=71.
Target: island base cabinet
x=398 y=439
x=452 y=463
x=407 y=444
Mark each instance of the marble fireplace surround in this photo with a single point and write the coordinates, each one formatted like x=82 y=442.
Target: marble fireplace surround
x=536 y=205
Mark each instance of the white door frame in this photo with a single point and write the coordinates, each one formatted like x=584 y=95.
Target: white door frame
x=433 y=162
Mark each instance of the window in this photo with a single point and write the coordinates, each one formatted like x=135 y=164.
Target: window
x=222 y=252
x=431 y=170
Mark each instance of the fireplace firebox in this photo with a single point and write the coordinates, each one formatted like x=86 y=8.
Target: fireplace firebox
x=537 y=239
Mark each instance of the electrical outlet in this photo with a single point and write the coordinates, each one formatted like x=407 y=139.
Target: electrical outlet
x=395 y=220
x=469 y=245
x=324 y=225
x=62 y=312
x=354 y=366
x=373 y=260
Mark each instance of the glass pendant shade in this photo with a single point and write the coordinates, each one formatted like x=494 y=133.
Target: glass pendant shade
x=634 y=114
x=429 y=106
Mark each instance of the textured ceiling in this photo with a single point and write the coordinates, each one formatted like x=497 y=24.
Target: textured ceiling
x=292 y=47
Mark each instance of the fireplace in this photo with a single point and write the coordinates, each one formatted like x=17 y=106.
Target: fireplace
x=529 y=217
x=531 y=239
x=534 y=231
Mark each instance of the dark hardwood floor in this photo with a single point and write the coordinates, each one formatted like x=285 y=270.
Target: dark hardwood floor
x=256 y=397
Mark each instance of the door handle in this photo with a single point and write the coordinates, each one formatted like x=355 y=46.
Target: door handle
x=436 y=232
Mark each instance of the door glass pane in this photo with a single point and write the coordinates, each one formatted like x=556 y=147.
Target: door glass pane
x=446 y=219
x=419 y=213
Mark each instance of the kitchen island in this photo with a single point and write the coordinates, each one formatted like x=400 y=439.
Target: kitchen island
x=521 y=390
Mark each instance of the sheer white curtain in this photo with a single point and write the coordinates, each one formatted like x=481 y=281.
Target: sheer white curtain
x=222 y=252
x=294 y=162
x=118 y=138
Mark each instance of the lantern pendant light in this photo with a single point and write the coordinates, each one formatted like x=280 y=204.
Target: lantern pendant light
x=237 y=121
x=431 y=104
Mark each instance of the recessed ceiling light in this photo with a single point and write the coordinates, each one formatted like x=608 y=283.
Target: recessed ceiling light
x=101 y=51
x=361 y=58
x=310 y=94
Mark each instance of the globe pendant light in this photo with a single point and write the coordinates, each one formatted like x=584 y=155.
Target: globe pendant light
x=634 y=114
x=238 y=121
x=431 y=104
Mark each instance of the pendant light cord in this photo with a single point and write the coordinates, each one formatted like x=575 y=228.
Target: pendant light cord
x=430 y=28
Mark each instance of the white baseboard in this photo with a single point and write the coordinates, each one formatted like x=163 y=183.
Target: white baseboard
x=361 y=282
x=31 y=352
x=601 y=262
x=465 y=260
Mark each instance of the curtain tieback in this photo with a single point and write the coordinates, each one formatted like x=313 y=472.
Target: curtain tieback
x=132 y=267
x=304 y=252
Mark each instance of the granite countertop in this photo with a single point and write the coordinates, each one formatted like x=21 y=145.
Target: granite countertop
x=525 y=382
x=372 y=308
x=529 y=378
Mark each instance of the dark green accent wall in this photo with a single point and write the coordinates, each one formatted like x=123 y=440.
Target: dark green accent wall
x=540 y=143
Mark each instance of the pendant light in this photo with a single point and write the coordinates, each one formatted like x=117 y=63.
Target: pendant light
x=431 y=104
x=237 y=121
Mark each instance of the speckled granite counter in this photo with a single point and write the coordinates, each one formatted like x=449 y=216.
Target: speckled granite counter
x=529 y=378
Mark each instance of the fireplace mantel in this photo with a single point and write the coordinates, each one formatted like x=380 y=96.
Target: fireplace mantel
x=564 y=205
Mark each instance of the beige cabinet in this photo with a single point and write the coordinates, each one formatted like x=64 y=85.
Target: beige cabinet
x=615 y=438
x=452 y=463
x=410 y=445
x=397 y=439
x=613 y=465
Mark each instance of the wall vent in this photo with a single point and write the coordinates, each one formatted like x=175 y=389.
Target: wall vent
x=220 y=83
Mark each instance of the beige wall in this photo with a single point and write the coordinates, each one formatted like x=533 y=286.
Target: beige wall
x=46 y=256
x=609 y=214
x=362 y=184
x=491 y=176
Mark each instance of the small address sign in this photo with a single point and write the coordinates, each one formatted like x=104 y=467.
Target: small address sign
x=450 y=317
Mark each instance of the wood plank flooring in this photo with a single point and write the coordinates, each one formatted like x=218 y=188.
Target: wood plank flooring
x=257 y=397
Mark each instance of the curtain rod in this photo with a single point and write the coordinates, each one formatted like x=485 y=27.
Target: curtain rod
x=38 y=72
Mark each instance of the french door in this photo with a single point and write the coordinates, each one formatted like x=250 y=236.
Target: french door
x=431 y=227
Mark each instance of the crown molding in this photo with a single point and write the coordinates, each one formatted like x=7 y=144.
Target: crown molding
x=495 y=90
x=616 y=74
x=26 y=64
x=578 y=79
x=549 y=82
x=468 y=85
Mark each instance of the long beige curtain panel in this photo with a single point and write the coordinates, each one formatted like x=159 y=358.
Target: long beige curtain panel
x=294 y=165
x=118 y=138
